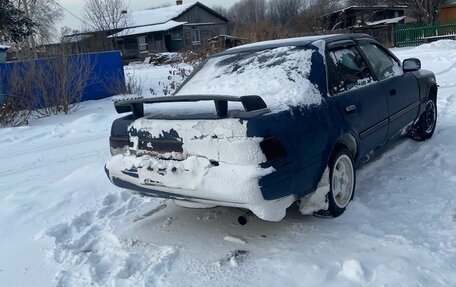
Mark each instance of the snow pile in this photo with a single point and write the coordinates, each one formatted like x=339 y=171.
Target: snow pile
x=442 y=44
x=279 y=76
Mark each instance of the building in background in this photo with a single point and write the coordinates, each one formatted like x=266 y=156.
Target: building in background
x=448 y=11
x=169 y=29
x=358 y=15
x=377 y=21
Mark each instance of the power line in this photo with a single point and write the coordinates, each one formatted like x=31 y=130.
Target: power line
x=71 y=13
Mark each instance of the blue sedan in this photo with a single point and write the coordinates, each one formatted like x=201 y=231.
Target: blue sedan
x=266 y=125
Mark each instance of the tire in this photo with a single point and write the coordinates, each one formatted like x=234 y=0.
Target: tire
x=425 y=127
x=342 y=178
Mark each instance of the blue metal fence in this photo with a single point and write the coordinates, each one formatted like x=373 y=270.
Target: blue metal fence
x=106 y=73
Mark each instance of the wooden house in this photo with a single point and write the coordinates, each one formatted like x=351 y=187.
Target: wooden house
x=358 y=15
x=448 y=11
x=180 y=27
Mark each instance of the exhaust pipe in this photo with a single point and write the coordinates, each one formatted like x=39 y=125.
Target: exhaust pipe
x=245 y=218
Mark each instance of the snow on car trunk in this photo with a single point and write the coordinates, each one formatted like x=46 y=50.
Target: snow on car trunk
x=280 y=76
x=213 y=161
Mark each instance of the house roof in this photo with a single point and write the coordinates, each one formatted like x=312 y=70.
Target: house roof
x=396 y=7
x=386 y=21
x=158 y=15
x=148 y=29
x=449 y=2
x=165 y=14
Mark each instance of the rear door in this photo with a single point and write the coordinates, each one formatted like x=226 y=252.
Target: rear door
x=401 y=88
x=362 y=101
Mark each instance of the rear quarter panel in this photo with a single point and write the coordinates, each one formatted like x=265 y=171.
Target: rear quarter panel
x=308 y=134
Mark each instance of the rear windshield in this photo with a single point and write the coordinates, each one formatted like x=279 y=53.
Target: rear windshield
x=280 y=76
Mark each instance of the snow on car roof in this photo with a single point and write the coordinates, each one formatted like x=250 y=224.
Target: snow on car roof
x=297 y=41
x=4 y=47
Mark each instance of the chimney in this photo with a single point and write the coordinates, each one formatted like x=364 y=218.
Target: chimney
x=179 y=2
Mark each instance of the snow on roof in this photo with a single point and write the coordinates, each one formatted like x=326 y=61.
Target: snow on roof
x=149 y=29
x=366 y=7
x=4 y=47
x=386 y=21
x=449 y=2
x=158 y=16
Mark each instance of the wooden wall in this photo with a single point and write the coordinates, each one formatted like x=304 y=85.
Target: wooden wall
x=447 y=13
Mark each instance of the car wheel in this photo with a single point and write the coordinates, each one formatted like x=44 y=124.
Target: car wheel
x=425 y=127
x=342 y=179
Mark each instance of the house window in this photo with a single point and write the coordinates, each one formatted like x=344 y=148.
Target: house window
x=196 y=38
x=142 y=44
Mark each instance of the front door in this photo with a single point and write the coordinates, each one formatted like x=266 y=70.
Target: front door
x=362 y=101
x=402 y=89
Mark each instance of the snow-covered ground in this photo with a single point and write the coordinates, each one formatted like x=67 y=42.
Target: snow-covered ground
x=63 y=223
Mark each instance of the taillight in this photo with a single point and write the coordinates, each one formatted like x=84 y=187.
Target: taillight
x=272 y=148
x=119 y=144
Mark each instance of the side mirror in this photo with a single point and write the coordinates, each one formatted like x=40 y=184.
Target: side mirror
x=411 y=65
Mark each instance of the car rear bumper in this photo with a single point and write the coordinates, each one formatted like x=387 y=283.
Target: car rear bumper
x=221 y=185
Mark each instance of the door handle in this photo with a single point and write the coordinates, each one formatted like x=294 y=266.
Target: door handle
x=393 y=92
x=350 y=109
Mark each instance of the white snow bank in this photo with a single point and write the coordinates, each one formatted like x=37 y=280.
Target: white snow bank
x=441 y=44
x=279 y=76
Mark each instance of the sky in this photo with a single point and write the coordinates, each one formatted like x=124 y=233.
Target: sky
x=77 y=6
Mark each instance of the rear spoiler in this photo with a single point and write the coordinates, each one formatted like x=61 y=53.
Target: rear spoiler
x=250 y=103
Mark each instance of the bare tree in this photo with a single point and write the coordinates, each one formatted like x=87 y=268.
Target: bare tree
x=106 y=15
x=221 y=10
x=247 y=12
x=426 y=11
x=45 y=13
x=310 y=19
x=284 y=11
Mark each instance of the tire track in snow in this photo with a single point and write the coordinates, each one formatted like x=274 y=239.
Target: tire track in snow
x=36 y=149
x=446 y=70
x=87 y=245
x=50 y=163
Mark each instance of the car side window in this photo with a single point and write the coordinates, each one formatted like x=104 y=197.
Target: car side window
x=383 y=64
x=347 y=70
